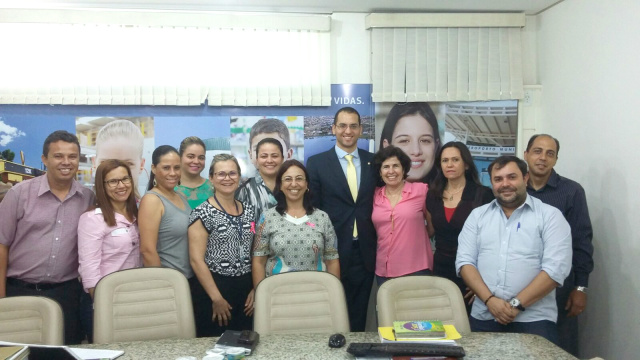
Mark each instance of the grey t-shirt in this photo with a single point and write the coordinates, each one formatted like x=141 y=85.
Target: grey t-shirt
x=173 y=242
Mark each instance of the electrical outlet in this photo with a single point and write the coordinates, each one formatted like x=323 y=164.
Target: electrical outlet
x=526 y=100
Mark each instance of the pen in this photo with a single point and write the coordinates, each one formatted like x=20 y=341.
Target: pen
x=518 y=228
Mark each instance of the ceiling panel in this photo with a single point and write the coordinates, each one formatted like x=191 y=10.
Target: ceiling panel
x=298 y=6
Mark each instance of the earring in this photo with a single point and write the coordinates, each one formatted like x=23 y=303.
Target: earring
x=154 y=182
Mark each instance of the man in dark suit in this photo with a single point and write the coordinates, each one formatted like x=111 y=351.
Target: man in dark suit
x=342 y=182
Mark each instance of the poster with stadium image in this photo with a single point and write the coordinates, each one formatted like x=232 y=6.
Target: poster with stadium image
x=489 y=129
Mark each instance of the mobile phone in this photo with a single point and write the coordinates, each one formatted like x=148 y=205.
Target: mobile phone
x=248 y=337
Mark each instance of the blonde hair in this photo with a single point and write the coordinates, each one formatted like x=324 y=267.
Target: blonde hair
x=121 y=129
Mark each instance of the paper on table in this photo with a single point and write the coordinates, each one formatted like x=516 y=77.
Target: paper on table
x=87 y=354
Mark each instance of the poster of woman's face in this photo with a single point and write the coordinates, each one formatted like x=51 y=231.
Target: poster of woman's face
x=417 y=129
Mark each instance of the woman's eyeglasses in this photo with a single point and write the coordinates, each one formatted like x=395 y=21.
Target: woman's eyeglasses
x=221 y=175
x=113 y=183
x=289 y=179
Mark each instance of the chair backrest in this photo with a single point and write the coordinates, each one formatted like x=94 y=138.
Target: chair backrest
x=31 y=320
x=300 y=302
x=142 y=304
x=422 y=298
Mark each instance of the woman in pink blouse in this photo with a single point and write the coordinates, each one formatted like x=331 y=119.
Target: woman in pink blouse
x=399 y=213
x=108 y=237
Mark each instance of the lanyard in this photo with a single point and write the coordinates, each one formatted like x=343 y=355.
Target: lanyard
x=231 y=218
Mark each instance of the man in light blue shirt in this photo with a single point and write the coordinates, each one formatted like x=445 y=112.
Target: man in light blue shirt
x=513 y=253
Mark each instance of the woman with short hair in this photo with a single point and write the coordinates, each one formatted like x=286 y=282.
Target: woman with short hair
x=399 y=214
x=220 y=235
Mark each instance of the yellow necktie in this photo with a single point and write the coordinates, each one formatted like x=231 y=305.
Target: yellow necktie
x=352 y=180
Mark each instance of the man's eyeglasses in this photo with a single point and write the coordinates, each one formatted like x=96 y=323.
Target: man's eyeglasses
x=221 y=175
x=350 y=126
x=113 y=183
x=289 y=179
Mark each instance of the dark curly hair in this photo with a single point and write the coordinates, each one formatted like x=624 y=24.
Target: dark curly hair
x=386 y=153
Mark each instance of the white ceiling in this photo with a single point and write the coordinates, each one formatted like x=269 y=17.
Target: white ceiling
x=529 y=7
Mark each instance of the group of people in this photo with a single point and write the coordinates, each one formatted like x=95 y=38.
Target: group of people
x=357 y=215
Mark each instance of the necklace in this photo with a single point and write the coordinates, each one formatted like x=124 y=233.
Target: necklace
x=290 y=213
x=394 y=194
x=452 y=193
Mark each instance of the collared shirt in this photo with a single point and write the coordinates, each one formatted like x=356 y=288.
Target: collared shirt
x=568 y=196
x=256 y=193
x=41 y=231
x=103 y=249
x=344 y=162
x=403 y=243
x=510 y=253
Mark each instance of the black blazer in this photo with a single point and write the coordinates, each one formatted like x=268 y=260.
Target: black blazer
x=447 y=233
x=330 y=193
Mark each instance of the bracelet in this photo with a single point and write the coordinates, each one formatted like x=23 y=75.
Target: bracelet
x=489 y=298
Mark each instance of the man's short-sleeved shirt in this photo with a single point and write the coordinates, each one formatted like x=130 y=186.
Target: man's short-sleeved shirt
x=41 y=231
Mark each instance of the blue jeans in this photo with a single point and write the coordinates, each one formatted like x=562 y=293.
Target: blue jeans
x=381 y=279
x=545 y=328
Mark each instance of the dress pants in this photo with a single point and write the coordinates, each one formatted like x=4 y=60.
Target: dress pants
x=67 y=294
x=567 y=326
x=234 y=290
x=545 y=328
x=357 y=282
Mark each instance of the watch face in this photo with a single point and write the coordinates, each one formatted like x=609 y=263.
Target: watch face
x=514 y=302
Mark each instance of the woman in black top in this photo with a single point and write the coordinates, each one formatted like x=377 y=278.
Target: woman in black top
x=454 y=193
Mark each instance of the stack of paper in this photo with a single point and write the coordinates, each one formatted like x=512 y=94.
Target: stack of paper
x=387 y=336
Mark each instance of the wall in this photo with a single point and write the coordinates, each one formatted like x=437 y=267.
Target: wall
x=588 y=66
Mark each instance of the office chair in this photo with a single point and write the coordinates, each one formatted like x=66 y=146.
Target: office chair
x=422 y=298
x=142 y=304
x=31 y=320
x=300 y=302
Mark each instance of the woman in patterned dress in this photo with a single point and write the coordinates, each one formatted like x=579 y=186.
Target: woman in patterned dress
x=220 y=234
x=294 y=236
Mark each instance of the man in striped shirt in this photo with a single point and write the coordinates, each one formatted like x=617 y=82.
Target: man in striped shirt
x=569 y=197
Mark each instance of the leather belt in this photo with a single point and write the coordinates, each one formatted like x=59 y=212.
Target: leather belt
x=38 y=287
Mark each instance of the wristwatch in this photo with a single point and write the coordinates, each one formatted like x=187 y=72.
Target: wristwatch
x=582 y=289
x=515 y=303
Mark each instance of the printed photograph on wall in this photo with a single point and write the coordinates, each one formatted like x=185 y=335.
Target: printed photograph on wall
x=21 y=140
x=247 y=131
x=488 y=128
x=318 y=135
x=212 y=130
x=130 y=139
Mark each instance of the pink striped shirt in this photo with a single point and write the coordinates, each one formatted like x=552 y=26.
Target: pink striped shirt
x=403 y=242
x=103 y=249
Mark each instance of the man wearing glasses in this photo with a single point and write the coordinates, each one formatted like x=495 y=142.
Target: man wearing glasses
x=39 y=237
x=342 y=183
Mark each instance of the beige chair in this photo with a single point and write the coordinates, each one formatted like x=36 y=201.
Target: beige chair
x=422 y=298
x=300 y=302
x=142 y=304
x=31 y=320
